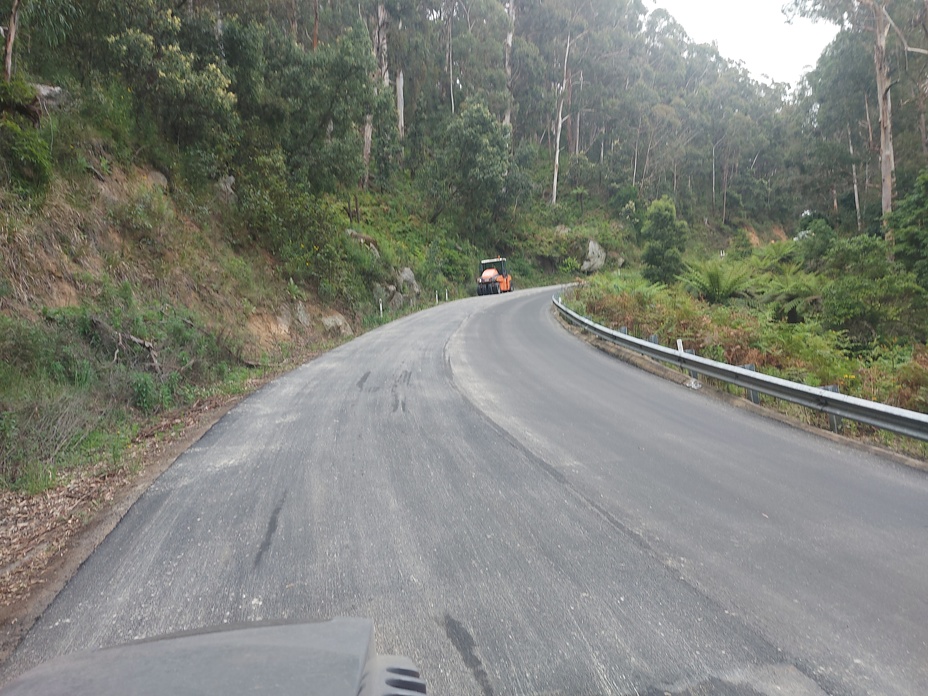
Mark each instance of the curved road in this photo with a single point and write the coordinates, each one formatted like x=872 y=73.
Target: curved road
x=522 y=514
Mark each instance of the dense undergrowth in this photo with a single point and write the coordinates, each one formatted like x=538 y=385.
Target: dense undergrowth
x=74 y=386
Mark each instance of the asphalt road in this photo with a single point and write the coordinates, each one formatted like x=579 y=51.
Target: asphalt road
x=521 y=514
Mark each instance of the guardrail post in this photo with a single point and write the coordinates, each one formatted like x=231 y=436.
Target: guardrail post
x=623 y=330
x=653 y=338
x=693 y=373
x=752 y=395
x=834 y=422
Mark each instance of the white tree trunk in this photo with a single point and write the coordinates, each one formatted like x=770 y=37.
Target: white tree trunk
x=884 y=92
x=850 y=144
x=400 y=104
x=379 y=44
x=559 y=124
x=557 y=149
x=368 y=141
x=10 y=40
x=637 y=148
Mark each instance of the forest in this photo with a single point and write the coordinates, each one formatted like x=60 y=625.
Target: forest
x=448 y=130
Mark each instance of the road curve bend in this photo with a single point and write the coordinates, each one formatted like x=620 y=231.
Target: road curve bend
x=521 y=514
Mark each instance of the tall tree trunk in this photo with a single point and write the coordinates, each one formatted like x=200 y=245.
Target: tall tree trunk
x=724 y=192
x=577 y=134
x=884 y=90
x=401 y=103
x=637 y=144
x=557 y=148
x=400 y=95
x=510 y=34
x=645 y=170
x=850 y=145
x=714 y=146
x=379 y=45
x=10 y=40
x=368 y=143
x=560 y=123
x=315 y=24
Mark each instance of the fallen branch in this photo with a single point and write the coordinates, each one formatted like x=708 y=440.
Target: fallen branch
x=119 y=338
x=152 y=353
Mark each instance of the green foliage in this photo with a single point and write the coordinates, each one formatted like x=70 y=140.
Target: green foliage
x=909 y=221
x=50 y=21
x=775 y=257
x=880 y=310
x=25 y=159
x=665 y=239
x=471 y=168
x=145 y=216
x=447 y=263
x=309 y=105
x=863 y=256
x=740 y=245
x=794 y=295
x=814 y=242
x=145 y=395
x=190 y=98
x=67 y=381
x=15 y=95
x=717 y=281
x=387 y=152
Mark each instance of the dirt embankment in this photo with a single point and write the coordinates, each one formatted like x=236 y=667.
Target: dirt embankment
x=123 y=229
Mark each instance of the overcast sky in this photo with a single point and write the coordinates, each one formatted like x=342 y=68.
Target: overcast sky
x=755 y=32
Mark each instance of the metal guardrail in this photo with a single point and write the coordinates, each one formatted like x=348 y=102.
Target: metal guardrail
x=897 y=420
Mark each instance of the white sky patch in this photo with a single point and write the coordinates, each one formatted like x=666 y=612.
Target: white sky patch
x=755 y=32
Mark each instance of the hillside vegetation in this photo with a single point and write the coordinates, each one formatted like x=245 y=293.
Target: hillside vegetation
x=191 y=192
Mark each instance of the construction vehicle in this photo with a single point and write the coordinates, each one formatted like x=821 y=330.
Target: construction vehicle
x=494 y=277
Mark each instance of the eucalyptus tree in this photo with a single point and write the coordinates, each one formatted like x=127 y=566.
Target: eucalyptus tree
x=665 y=44
x=480 y=31
x=47 y=20
x=576 y=30
x=614 y=68
x=511 y=11
x=837 y=95
x=878 y=18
